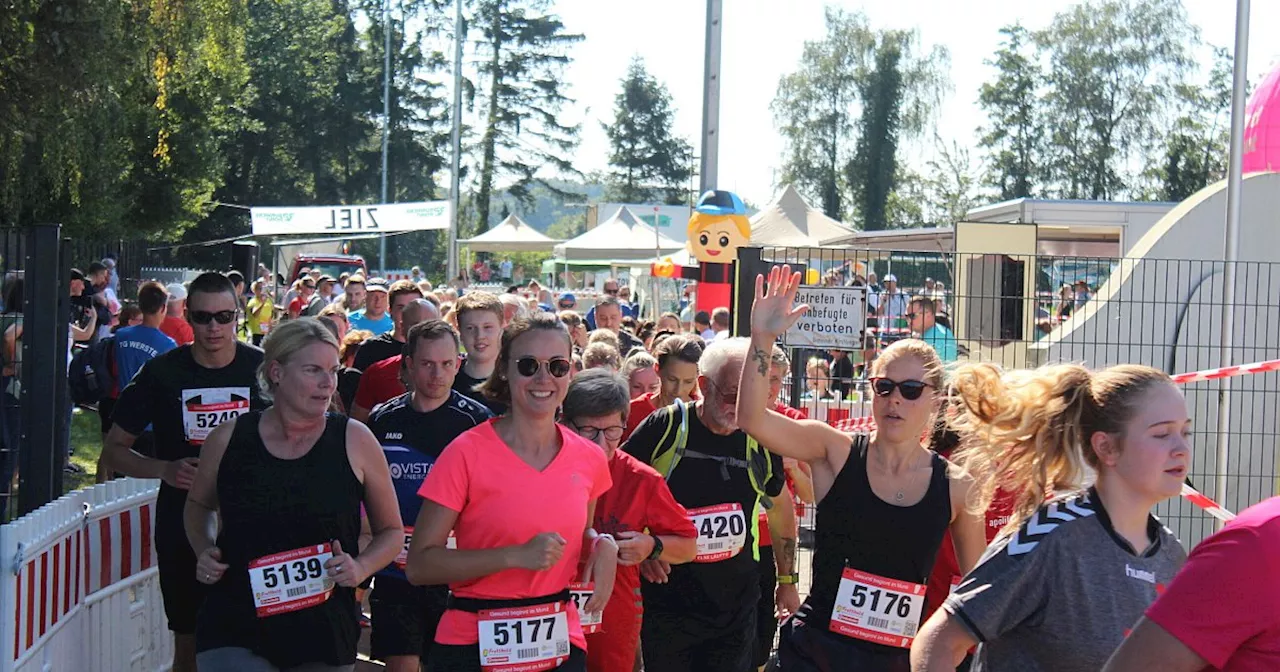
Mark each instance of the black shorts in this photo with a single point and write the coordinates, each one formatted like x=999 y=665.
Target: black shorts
x=668 y=645
x=183 y=595
x=766 y=622
x=466 y=658
x=405 y=617
x=804 y=648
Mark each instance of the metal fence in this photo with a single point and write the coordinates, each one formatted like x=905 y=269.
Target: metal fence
x=1024 y=311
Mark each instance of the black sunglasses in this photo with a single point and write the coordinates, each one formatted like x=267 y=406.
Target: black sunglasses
x=611 y=292
x=556 y=366
x=910 y=389
x=205 y=317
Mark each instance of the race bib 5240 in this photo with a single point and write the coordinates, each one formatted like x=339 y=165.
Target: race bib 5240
x=722 y=531
x=205 y=408
x=292 y=580
x=580 y=593
x=524 y=639
x=877 y=609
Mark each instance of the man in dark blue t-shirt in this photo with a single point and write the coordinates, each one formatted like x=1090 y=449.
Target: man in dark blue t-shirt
x=414 y=429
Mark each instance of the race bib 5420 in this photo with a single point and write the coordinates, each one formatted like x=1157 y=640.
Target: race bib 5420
x=877 y=609
x=205 y=408
x=524 y=639
x=722 y=531
x=292 y=580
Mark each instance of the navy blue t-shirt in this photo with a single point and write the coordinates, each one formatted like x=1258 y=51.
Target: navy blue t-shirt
x=412 y=441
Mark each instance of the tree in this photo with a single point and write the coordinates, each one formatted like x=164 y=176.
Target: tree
x=1112 y=64
x=526 y=51
x=1013 y=135
x=951 y=186
x=649 y=162
x=1196 y=146
x=814 y=106
x=899 y=93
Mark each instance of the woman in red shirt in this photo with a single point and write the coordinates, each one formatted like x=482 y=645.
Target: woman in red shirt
x=639 y=511
x=519 y=493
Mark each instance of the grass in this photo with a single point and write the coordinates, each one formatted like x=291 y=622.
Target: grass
x=86 y=445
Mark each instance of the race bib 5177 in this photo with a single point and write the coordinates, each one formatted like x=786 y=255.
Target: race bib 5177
x=524 y=639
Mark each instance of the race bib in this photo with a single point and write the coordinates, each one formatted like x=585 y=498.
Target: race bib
x=205 y=408
x=722 y=531
x=524 y=639
x=580 y=593
x=292 y=580
x=876 y=609
x=403 y=558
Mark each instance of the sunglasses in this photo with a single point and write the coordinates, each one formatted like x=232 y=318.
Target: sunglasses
x=910 y=389
x=205 y=317
x=556 y=366
x=611 y=292
x=592 y=433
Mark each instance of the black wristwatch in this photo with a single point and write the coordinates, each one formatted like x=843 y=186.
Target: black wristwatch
x=657 y=548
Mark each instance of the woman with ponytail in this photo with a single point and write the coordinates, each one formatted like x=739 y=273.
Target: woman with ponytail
x=1076 y=565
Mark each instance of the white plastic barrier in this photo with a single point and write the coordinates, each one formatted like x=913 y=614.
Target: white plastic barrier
x=79 y=575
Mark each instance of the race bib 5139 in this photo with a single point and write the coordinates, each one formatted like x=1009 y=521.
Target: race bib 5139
x=292 y=580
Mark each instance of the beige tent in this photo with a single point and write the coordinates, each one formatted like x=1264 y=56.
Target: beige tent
x=622 y=238
x=790 y=221
x=512 y=235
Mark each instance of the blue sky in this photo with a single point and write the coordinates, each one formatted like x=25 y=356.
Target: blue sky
x=763 y=41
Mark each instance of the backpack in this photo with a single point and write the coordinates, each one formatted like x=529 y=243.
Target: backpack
x=92 y=374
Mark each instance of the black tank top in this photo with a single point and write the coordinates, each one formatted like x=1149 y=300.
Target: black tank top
x=269 y=505
x=855 y=528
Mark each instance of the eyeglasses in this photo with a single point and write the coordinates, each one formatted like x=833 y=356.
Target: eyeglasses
x=910 y=389
x=611 y=292
x=592 y=433
x=205 y=317
x=727 y=398
x=556 y=366
x=911 y=316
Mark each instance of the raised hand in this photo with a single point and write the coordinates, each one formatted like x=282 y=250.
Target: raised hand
x=774 y=310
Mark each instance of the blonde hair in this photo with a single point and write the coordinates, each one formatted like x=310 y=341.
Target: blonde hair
x=637 y=361
x=602 y=354
x=912 y=347
x=818 y=363
x=604 y=336
x=1028 y=432
x=284 y=342
x=702 y=220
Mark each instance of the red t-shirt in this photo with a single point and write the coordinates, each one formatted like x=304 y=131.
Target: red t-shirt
x=762 y=520
x=946 y=568
x=641 y=407
x=1224 y=603
x=379 y=383
x=491 y=488
x=639 y=499
x=177 y=328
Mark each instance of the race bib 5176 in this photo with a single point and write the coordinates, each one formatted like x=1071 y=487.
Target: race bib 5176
x=877 y=609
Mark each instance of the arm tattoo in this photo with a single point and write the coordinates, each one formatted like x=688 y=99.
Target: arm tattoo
x=785 y=555
x=762 y=361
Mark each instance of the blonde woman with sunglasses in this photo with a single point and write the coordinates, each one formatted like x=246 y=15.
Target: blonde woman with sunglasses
x=519 y=494
x=884 y=500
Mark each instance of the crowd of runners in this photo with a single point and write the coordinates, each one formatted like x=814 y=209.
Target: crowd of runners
x=522 y=486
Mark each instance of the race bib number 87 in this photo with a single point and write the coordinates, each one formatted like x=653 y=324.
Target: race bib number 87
x=722 y=531
x=524 y=639
x=292 y=580
x=580 y=593
x=877 y=609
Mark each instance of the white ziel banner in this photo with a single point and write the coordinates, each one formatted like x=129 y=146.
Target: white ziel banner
x=836 y=318
x=379 y=218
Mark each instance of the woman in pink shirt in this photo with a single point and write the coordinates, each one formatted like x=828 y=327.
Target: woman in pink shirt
x=519 y=494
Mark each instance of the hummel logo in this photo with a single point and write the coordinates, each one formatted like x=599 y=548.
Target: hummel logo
x=1140 y=574
x=394 y=436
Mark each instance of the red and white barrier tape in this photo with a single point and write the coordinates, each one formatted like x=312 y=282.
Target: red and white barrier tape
x=1227 y=372
x=1210 y=507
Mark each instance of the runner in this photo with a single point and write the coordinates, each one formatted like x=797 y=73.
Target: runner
x=414 y=429
x=480 y=320
x=638 y=511
x=1090 y=561
x=1220 y=611
x=274 y=518
x=389 y=342
x=884 y=501
x=702 y=616
x=183 y=394
x=641 y=373
x=374 y=316
x=677 y=375
x=520 y=494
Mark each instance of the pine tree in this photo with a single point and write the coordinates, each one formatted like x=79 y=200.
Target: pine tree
x=649 y=162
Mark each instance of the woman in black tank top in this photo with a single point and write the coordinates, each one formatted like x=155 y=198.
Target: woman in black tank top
x=884 y=501
x=287 y=485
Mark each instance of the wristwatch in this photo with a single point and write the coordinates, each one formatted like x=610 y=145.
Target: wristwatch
x=789 y=579
x=657 y=548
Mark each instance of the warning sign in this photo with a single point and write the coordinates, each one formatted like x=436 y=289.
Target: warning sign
x=836 y=319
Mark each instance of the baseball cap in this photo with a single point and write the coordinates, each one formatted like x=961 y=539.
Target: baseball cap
x=889 y=277
x=568 y=297
x=377 y=285
x=326 y=278
x=177 y=292
x=356 y=278
x=77 y=274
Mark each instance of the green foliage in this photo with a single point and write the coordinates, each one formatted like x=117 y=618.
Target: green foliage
x=649 y=163
x=1197 y=143
x=525 y=50
x=1014 y=134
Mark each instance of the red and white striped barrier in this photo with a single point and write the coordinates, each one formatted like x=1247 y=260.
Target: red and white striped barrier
x=79 y=565
x=1227 y=372
x=1208 y=505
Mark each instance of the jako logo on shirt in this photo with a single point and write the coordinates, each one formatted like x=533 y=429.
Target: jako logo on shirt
x=416 y=470
x=394 y=436
x=1141 y=574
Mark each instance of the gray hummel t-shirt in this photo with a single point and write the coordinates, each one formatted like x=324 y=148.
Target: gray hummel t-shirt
x=1061 y=593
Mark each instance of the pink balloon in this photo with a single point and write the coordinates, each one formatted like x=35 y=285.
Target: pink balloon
x=1262 y=126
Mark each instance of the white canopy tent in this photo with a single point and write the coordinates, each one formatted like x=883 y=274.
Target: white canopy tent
x=512 y=235
x=790 y=221
x=621 y=239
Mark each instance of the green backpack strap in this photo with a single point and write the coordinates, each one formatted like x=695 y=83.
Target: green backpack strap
x=665 y=457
